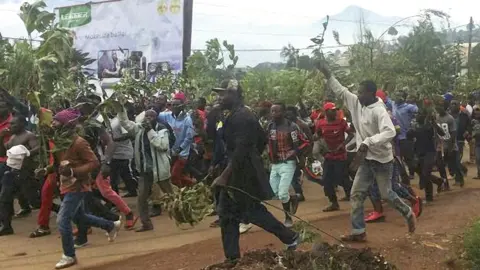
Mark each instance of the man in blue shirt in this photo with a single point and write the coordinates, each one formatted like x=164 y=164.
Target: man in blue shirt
x=182 y=126
x=405 y=113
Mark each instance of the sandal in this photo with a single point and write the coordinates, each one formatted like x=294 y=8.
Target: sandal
x=40 y=232
x=130 y=224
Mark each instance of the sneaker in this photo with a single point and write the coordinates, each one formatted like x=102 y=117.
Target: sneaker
x=332 y=207
x=216 y=224
x=245 y=227
x=77 y=244
x=113 y=233
x=374 y=217
x=417 y=208
x=412 y=223
x=65 y=262
x=296 y=242
x=144 y=229
x=23 y=213
x=288 y=222
x=301 y=198
x=6 y=231
x=354 y=237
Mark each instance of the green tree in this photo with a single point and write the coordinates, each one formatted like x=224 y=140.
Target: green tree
x=45 y=68
x=291 y=54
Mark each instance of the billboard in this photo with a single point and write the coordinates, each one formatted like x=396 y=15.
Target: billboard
x=146 y=34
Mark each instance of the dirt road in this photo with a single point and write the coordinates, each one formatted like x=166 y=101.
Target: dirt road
x=429 y=248
x=174 y=248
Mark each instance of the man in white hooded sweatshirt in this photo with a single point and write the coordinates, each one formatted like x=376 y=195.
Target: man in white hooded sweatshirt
x=375 y=132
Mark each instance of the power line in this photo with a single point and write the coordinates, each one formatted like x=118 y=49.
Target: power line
x=253 y=33
x=331 y=19
x=300 y=49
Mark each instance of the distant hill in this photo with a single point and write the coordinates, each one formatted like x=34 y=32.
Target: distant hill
x=348 y=23
x=269 y=65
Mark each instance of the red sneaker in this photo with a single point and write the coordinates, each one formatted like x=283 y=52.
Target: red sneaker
x=374 y=217
x=417 y=207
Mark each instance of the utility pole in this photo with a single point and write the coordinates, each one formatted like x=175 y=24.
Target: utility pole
x=470 y=36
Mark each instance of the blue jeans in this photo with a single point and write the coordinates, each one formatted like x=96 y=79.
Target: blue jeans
x=281 y=177
x=369 y=171
x=72 y=209
x=398 y=187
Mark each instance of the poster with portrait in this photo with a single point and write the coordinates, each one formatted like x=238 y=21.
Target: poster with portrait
x=147 y=34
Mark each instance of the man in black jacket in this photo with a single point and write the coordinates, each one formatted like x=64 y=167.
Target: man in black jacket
x=245 y=141
x=464 y=128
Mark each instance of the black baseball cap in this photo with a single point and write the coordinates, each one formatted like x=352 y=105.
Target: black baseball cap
x=227 y=85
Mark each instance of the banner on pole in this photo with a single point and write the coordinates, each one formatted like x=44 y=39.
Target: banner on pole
x=147 y=34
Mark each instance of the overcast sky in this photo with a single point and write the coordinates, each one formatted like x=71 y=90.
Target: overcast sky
x=217 y=18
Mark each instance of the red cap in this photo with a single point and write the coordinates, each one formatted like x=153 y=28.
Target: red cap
x=381 y=95
x=329 y=106
x=180 y=96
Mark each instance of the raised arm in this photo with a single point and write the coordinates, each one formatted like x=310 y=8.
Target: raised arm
x=341 y=92
x=129 y=126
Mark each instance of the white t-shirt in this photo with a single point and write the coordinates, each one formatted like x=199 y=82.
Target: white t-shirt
x=16 y=155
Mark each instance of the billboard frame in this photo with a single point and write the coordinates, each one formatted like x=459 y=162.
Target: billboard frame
x=187 y=25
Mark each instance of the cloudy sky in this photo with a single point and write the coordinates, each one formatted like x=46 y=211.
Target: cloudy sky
x=269 y=24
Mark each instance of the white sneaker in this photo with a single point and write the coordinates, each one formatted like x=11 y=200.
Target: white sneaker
x=245 y=227
x=65 y=262
x=113 y=233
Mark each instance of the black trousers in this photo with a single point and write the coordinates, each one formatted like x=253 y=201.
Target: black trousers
x=93 y=203
x=424 y=169
x=407 y=153
x=296 y=181
x=94 y=206
x=29 y=195
x=11 y=185
x=120 y=169
x=335 y=173
x=452 y=161
x=234 y=211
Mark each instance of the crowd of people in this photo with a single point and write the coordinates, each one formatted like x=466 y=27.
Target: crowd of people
x=371 y=147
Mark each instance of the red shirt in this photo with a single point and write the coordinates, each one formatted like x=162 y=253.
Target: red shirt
x=4 y=125
x=334 y=135
x=203 y=117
